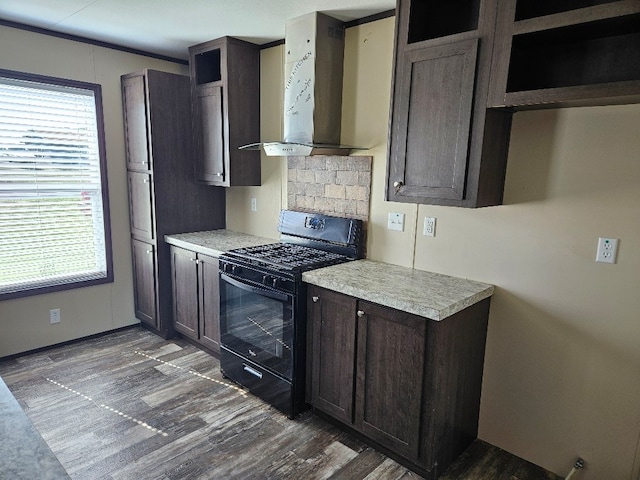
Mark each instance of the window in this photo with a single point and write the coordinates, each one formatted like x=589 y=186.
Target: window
x=54 y=212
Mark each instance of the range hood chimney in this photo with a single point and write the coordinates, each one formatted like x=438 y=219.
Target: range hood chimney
x=314 y=55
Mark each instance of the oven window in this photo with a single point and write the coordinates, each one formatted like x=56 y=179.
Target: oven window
x=256 y=326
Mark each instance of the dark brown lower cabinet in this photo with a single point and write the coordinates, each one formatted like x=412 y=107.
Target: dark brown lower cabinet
x=184 y=278
x=409 y=385
x=390 y=368
x=209 y=302
x=144 y=282
x=334 y=335
x=196 y=303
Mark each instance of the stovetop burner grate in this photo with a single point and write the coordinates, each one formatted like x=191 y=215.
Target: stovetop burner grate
x=289 y=256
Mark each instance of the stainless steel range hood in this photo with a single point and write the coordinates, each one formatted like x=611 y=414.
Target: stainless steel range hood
x=314 y=55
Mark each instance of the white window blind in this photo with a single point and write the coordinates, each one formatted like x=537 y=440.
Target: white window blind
x=52 y=228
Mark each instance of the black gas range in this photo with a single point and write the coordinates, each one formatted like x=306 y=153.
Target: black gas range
x=263 y=303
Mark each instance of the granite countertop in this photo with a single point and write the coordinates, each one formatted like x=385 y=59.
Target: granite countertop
x=426 y=294
x=215 y=242
x=23 y=452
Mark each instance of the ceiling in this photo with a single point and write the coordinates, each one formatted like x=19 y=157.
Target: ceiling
x=169 y=27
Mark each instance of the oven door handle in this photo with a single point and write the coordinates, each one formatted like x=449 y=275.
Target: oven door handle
x=258 y=291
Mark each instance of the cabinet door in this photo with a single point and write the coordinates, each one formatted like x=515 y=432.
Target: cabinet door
x=184 y=276
x=389 y=385
x=333 y=323
x=209 y=132
x=135 y=123
x=431 y=122
x=144 y=281
x=209 y=295
x=140 y=205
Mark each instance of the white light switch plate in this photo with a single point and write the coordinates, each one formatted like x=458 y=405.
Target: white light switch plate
x=396 y=222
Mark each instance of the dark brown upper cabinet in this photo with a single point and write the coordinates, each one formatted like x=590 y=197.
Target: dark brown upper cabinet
x=135 y=114
x=445 y=147
x=225 y=96
x=566 y=53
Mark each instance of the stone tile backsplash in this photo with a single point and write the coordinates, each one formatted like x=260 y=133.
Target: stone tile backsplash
x=339 y=186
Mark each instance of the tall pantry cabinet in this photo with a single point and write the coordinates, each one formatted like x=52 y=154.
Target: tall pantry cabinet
x=163 y=196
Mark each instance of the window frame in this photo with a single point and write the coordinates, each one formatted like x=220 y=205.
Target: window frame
x=102 y=152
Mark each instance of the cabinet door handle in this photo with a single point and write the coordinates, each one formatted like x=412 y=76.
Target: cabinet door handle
x=315 y=299
x=398 y=185
x=146 y=180
x=193 y=260
x=218 y=174
x=360 y=313
x=149 y=252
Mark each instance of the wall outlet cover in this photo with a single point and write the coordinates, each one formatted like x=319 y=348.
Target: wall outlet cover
x=607 y=250
x=429 y=229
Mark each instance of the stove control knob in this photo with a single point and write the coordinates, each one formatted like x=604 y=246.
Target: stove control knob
x=274 y=283
x=265 y=279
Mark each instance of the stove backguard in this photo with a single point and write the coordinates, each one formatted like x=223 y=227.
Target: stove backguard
x=334 y=234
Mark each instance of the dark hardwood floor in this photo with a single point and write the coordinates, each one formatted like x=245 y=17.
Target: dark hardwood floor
x=130 y=405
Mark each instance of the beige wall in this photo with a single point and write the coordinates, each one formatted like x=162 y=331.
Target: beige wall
x=562 y=369
x=25 y=322
x=271 y=195
x=562 y=372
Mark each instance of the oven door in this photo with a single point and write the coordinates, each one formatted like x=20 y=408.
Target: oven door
x=256 y=322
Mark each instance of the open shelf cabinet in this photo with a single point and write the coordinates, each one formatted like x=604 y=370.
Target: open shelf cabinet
x=566 y=53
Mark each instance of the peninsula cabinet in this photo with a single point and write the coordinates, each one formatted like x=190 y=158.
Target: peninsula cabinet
x=163 y=196
x=196 y=301
x=445 y=146
x=569 y=53
x=409 y=385
x=225 y=95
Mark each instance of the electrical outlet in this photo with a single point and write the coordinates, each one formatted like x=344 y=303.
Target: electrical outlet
x=396 y=222
x=54 y=315
x=607 y=250
x=429 y=229
x=254 y=204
